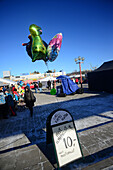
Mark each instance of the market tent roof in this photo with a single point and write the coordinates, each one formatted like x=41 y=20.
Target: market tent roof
x=48 y=78
x=68 y=85
x=63 y=77
x=101 y=78
x=105 y=66
x=9 y=82
x=3 y=84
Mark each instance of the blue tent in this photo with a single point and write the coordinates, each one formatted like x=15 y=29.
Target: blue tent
x=68 y=85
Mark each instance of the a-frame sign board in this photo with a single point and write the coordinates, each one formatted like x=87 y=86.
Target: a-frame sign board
x=65 y=138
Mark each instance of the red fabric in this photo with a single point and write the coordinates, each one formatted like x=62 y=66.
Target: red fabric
x=15 y=92
x=12 y=111
x=13 y=88
x=76 y=80
x=31 y=87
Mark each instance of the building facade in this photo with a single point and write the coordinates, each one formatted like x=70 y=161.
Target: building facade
x=36 y=77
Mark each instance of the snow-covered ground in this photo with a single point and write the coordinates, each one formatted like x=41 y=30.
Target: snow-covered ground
x=90 y=110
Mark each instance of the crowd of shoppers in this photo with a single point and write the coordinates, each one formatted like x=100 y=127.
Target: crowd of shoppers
x=10 y=96
x=17 y=93
x=7 y=103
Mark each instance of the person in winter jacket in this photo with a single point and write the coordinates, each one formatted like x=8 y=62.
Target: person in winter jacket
x=40 y=86
x=36 y=87
x=10 y=103
x=49 y=84
x=29 y=99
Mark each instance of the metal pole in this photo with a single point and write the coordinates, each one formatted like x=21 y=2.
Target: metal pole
x=54 y=82
x=80 y=74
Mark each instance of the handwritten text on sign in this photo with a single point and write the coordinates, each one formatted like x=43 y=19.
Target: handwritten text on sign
x=66 y=143
x=60 y=116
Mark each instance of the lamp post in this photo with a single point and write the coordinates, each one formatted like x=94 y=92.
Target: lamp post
x=80 y=60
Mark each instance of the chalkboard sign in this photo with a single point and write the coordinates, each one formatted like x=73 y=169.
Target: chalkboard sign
x=65 y=139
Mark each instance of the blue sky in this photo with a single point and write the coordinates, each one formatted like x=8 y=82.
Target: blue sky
x=86 y=25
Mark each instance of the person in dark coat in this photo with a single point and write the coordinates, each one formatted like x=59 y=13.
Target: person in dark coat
x=29 y=99
x=10 y=103
x=36 y=87
x=49 y=84
x=40 y=86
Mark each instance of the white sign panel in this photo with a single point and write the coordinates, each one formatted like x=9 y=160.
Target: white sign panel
x=60 y=116
x=6 y=73
x=66 y=143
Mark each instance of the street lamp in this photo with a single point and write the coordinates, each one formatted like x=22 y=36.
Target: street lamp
x=80 y=60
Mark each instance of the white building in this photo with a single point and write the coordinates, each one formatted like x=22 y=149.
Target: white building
x=36 y=76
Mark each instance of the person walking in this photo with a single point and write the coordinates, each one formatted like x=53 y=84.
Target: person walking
x=29 y=99
x=49 y=85
x=76 y=81
x=10 y=103
x=4 y=89
x=40 y=86
x=3 y=106
x=36 y=87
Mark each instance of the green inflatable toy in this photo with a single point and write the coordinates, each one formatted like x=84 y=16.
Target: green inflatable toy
x=38 y=48
x=53 y=91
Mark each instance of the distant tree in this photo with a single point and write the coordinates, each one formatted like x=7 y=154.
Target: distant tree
x=45 y=74
x=92 y=68
x=54 y=71
x=36 y=72
x=49 y=71
x=83 y=72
